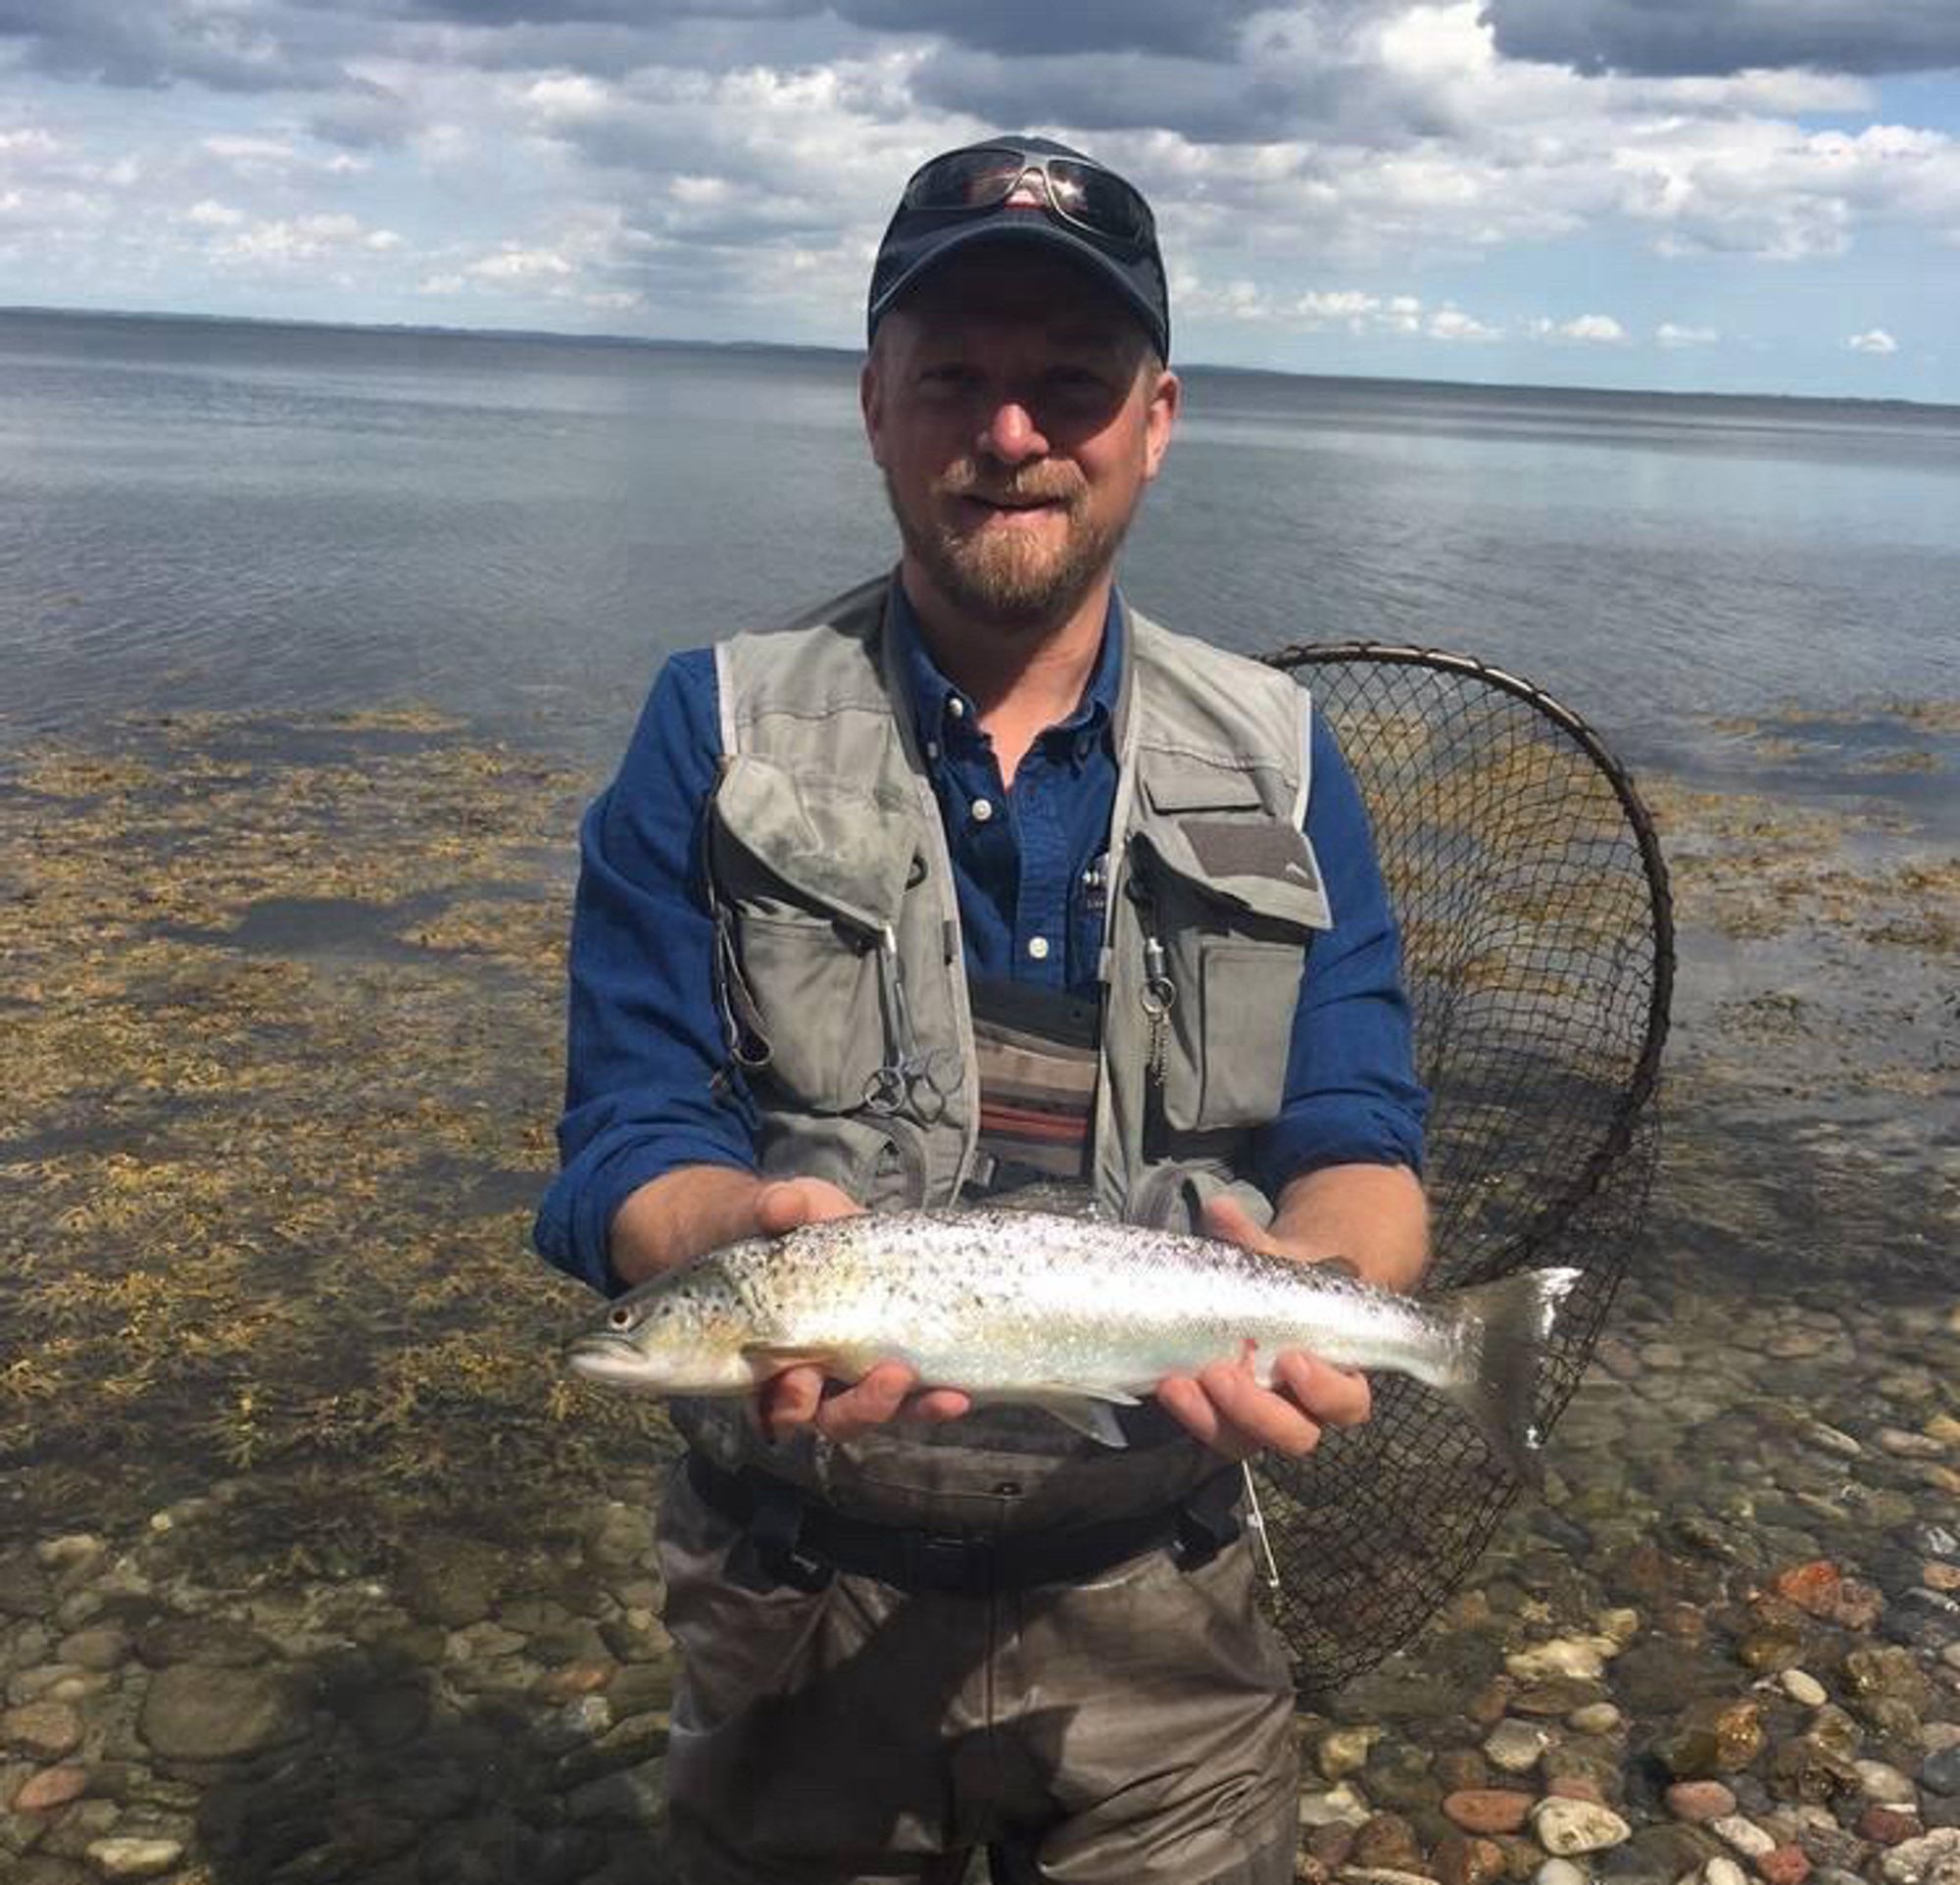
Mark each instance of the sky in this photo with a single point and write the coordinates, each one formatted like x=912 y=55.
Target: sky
x=1700 y=195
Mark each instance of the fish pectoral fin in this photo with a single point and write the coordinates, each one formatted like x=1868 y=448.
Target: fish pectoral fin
x=1091 y=1412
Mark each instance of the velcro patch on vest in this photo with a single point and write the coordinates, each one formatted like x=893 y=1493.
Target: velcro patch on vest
x=1260 y=849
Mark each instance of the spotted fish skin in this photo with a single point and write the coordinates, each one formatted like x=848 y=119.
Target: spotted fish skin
x=1072 y=1314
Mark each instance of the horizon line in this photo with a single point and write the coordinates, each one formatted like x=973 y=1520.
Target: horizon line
x=562 y=337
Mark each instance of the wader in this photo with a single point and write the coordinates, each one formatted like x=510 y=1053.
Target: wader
x=991 y=1632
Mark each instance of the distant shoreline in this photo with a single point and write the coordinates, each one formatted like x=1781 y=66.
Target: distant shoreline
x=538 y=336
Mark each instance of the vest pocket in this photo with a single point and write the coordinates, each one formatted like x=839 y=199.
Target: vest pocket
x=809 y=873
x=1234 y=953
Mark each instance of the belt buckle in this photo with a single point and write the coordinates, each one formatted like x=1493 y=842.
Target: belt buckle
x=947 y=1561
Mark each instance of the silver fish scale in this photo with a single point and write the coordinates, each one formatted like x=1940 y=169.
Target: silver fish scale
x=1011 y=1298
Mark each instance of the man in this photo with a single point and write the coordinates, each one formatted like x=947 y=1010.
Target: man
x=981 y=883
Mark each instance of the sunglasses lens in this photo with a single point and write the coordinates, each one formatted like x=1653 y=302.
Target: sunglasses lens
x=965 y=180
x=1100 y=200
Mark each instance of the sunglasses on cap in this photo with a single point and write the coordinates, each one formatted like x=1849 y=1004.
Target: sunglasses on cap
x=1079 y=193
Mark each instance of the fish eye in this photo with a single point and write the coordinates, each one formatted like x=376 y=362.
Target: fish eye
x=620 y=1318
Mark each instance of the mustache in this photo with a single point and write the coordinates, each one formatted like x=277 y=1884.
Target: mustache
x=1047 y=485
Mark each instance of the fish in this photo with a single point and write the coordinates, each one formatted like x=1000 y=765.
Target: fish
x=1079 y=1316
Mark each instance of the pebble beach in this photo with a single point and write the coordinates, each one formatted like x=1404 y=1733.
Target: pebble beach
x=314 y=1566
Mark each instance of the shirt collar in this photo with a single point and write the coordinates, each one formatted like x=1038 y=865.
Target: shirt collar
x=933 y=694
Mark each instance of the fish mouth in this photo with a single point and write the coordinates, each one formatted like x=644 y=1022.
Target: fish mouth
x=606 y=1357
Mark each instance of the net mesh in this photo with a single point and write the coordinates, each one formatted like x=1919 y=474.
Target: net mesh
x=1538 y=939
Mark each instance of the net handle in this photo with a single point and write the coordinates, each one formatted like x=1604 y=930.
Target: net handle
x=1660 y=895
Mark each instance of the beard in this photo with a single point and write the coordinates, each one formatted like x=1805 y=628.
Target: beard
x=1016 y=579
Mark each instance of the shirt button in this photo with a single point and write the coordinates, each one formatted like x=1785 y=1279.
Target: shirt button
x=955 y=707
x=982 y=809
x=1038 y=948
x=932 y=749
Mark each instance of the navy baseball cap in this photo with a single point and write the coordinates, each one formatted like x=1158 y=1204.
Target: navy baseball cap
x=1027 y=189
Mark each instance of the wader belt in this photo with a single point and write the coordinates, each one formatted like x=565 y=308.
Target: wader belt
x=1037 y=1052
x=791 y=1539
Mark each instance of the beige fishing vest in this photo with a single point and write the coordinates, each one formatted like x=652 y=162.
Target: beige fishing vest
x=830 y=870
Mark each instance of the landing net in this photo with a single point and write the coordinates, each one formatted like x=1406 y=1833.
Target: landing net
x=1539 y=946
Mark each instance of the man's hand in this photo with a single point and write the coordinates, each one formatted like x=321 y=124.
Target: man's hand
x=801 y=1397
x=1224 y=1407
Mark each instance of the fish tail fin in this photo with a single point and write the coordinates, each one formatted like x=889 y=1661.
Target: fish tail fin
x=1503 y=1339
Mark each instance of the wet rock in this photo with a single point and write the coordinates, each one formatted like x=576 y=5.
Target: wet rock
x=23 y=1585
x=1814 y=1587
x=1722 y=1871
x=1386 y=1841
x=1560 y=1872
x=52 y=1787
x=1577 y=1658
x=1699 y=1801
x=1339 y=1805
x=1596 y=1718
x=1833 y=1729
x=1803 y=1688
x=1564 y=1827
x=1941 y=1772
x=1488 y=1810
x=133 y=1858
x=211 y=1640
x=1342 y=1752
x=202 y=1713
x=102 y=1649
x=1712 y=1738
x=1398 y=1777
x=1744 y=1835
x=1923 y=1619
x=42 y=1730
x=619 y=1539
x=1785 y=1865
x=453 y=1581
x=1934 y=1858
x=1887 y=1827
x=1802 y=1768
x=1463 y=1860
x=1515 y=1747
x=1885 y=1784
x=636 y=1636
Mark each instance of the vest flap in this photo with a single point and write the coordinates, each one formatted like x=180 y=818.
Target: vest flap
x=1172 y=788
x=830 y=841
x=1263 y=865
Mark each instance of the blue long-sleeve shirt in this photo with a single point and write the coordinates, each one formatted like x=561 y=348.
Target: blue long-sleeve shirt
x=645 y=1039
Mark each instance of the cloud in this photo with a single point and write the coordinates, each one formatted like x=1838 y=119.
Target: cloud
x=1875 y=340
x=1668 y=334
x=1452 y=324
x=1679 y=37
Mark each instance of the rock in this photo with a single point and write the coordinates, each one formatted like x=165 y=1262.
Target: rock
x=1744 y=1835
x=1723 y=1871
x=1934 y=1858
x=24 y=1586
x=1785 y=1865
x=1699 y=1801
x=1564 y=1827
x=197 y=1712
x=1941 y=1773
x=451 y=1581
x=1463 y=1860
x=1339 y=1805
x=1887 y=1827
x=1398 y=1777
x=1515 y=1746
x=1560 y=1872
x=52 y=1787
x=102 y=1649
x=1461 y=1769
x=1814 y=1587
x=134 y=1858
x=1885 y=1784
x=1571 y=1656
x=632 y=1797
x=1595 y=1718
x=1804 y=1769
x=636 y=1636
x=1885 y=1674
x=619 y=1539
x=42 y=1730
x=1342 y=1752
x=210 y=1641
x=1712 y=1737
x=1488 y=1810
x=1804 y=1688
x=1557 y=1695
x=1386 y=1841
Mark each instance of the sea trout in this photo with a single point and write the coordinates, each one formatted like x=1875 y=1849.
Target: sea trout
x=1074 y=1316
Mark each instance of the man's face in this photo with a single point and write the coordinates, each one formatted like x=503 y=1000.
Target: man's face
x=1016 y=411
